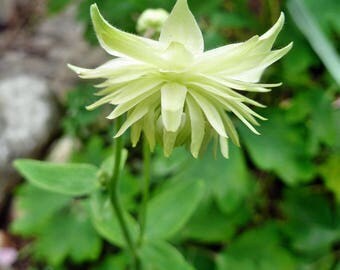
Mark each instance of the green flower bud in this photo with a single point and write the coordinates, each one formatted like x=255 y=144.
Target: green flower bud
x=151 y=21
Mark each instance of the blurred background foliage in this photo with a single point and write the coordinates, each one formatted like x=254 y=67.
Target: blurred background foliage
x=275 y=204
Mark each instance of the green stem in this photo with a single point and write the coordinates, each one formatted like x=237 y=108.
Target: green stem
x=114 y=196
x=145 y=191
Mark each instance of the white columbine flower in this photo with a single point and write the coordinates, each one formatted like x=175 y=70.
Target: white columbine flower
x=175 y=92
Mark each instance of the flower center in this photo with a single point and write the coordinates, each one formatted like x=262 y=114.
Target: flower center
x=178 y=58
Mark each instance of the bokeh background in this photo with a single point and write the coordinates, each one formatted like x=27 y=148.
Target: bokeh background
x=275 y=204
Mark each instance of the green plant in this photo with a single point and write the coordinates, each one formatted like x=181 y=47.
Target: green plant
x=273 y=205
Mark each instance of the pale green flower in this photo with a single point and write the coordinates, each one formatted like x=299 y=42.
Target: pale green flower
x=173 y=91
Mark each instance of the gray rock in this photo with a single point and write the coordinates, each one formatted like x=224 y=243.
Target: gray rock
x=28 y=117
x=55 y=42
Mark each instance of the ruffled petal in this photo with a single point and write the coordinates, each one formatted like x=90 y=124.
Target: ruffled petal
x=182 y=27
x=224 y=146
x=230 y=128
x=136 y=130
x=211 y=113
x=136 y=114
x=149 y=129
x=172 y=103
x=169 y=141
x=197 y=123
x=128 y=105
x=243 y=114
x=134 y=90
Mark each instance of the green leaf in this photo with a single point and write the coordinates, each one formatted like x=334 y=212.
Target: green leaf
x=314 y=109
x=281 y=148
x=106 y=223
x=317 y=39
x=119 y=261
x=170 y=209
x=69 y=235
x=34 y=208
x=159 y=255
x=259 y=249
x=330 y=172
x=209 y=225
x=227 y=180
x=233 y=183
x=68 y=179
x=311 y=222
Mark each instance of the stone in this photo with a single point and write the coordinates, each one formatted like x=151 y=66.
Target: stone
x=46 y=51
x=28 y=118
x=61 y=150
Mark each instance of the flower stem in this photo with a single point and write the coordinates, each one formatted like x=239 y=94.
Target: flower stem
x=114 y=196
x=145 y=191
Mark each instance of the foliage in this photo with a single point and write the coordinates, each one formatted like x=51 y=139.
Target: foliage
x=275 y=204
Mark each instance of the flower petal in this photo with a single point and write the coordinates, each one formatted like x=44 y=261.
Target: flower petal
x=113 y=67
x=256 y=63
x=124 y=78
x=210 y=112
x=239 y=85
x=213 y=85
x=135 y=89
x=132 y=118
x=242 y=114
x=197 y=123
x=267 y=39
x=224 y=146
x=149 y=129
x=244 y=61
x=120 y=43
x=214 y=60
x=230 y=128
x=172 y=101
x=128 y=105
x=169 y=140
x=136 y=130
x=182 y=27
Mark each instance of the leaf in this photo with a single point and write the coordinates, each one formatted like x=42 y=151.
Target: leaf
x=106 y=223
x=330 y=172
x=227 y=180
x=163 y=166
x=119 y=261
x=314 y=109
x=68 y=179
x=34 y=208
x=233 y=183
x=171 y=208
x=159 y=255
x=259 y=249
x=317 y=39
x=209 y=225
x=281 y=148
x=68 y=235
x=311 y=222
x=199 y=257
